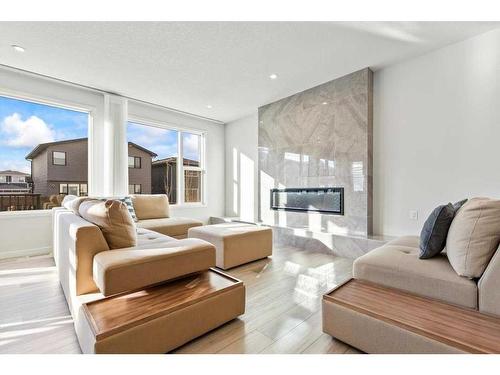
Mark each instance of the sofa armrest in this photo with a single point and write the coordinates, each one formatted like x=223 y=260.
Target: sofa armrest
x=489 y=298
x=121 y=270
x=75 y=243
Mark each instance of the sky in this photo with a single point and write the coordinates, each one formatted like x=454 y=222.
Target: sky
x=163 y=141
x=24 y=125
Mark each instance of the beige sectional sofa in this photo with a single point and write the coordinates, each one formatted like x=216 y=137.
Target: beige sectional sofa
x=89 y=271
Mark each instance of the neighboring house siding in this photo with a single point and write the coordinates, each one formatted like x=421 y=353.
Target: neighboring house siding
x=141 y=175
x=164 y=177
x=76 y=168
x=39 y=168
x=48 y=177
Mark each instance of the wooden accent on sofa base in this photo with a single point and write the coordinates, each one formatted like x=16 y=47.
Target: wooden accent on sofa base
x=458 y=327
x=118 y=314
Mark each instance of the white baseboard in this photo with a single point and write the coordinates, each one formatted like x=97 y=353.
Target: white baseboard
x=25 y=252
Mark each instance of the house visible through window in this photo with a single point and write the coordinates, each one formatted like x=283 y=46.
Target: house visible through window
x=36 y=142
x=58 y=158
x=162 y=172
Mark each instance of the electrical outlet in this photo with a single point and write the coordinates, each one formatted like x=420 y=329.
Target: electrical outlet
x=413 y=215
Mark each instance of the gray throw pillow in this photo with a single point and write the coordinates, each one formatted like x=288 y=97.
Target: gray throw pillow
x=457 y=205
x=435 y=231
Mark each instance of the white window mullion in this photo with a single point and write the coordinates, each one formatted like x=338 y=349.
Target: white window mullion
x=203 y=166
x=180 y=170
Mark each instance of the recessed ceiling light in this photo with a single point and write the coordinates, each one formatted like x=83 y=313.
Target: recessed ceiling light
x=18 y=48
x=209 y=106
x=273 y=76
x=324 y=103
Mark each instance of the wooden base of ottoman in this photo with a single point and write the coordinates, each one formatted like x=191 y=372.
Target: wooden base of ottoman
x=377 y=319
x=161 y=318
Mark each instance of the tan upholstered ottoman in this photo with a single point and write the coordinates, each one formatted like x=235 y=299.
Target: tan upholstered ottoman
x=236 y=243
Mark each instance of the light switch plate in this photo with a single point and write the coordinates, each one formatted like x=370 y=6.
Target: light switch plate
x=413 y=215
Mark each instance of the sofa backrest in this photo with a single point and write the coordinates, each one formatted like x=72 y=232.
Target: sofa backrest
x=151 y=206
x=488 y=286
x=76 y=241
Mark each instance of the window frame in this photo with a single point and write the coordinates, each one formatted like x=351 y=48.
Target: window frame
x=134 y=188
x=78 y=184
x=135 y=162
x=65 y=158
x=185 y=168
x=180 y=167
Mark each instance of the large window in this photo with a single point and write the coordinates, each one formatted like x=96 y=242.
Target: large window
x=40 y=146
x=159 y=149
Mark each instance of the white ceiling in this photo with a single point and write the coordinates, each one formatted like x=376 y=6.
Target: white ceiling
x=188 y=65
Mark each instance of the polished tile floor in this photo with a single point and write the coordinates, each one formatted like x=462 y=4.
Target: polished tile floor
x=283 y=312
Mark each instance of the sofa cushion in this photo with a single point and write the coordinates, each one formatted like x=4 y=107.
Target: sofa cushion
x=435 y=231
x=410 y=241
x=474 y=236
x=150 y=206
x=114 y=220
x=399 y=267
x=489 y=298
x=172 y=226
x=117 y=271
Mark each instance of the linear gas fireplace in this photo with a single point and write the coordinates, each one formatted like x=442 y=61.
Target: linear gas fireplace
x=324 y=200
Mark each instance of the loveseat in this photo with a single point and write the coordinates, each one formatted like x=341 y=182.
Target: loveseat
x=397 y=265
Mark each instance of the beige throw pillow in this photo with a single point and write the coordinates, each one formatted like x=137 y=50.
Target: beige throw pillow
x=114 y=220
x=74 y=204
x=474 y=236
x=150 y=206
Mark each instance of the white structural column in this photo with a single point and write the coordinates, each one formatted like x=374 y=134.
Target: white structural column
x=96 y=152
x=115 y=161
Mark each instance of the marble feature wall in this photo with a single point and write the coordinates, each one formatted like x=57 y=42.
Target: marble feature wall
x=321 y=137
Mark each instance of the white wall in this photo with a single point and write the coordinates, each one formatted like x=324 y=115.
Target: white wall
x=242 y=167
x=436 y=132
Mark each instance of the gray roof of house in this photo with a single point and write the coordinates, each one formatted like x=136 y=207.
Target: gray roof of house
x=14 y=173
x=42 y=146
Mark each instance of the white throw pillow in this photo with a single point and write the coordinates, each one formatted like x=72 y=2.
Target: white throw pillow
x=66 y=202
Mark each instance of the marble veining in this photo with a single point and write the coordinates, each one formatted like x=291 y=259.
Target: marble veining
x=318 y=138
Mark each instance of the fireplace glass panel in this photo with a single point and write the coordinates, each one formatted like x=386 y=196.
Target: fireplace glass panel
x=326 y=200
